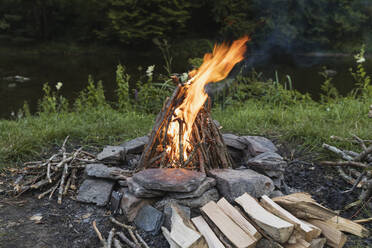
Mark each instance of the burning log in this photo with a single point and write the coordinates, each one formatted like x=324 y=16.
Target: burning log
x=184 y=134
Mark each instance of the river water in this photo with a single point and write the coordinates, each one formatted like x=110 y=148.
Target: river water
x=73 y=70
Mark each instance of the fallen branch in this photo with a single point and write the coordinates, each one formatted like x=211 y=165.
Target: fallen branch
x=345 y=163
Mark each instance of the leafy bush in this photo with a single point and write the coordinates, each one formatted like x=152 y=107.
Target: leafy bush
x=361 y=79
x=51 y=101
x=91 y=97
x=122 y=81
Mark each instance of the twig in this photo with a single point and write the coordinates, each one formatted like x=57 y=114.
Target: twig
x=73 y=179
x=360 y=141
x=363 y=220
x=54 y=189
x=337 y=151
x=141 y=239
x=110 y=236
x=344 y=163
x=180 y=137
x=103 y=241
x=363 y=154
x=61 y=185
x=356 y=183
x=117 y=243
x=67 y=185
x=45 y=193
x=124 y=238
x=113 y=220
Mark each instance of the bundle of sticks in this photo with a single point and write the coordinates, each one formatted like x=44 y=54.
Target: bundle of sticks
x=59 y=172
x=209 y=150
x=355 y=168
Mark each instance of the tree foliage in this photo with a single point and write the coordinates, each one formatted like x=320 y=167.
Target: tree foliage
x=287 y=23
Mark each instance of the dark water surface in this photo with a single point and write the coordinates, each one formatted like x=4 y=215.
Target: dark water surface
x=73 y=70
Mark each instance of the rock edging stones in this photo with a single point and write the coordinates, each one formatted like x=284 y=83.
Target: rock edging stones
x=169 y=179
x=233 y=183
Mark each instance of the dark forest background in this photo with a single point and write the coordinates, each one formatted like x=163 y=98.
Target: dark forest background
x=300 y=25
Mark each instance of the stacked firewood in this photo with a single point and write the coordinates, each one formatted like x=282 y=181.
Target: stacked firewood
x=59 y=173
x=292 y=221
x=355 y=168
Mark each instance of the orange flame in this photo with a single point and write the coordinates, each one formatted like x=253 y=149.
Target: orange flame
x=216 y=66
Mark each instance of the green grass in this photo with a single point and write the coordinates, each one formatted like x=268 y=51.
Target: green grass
x=306 y=123
x=31 y=137
x=310 y=123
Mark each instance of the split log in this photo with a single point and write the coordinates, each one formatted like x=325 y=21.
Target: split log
x=335 y=238
x=206 y=231
x=167 y=236
x=183 y=233
x=240 y=220
x=308 y=232
x=302 y=205
x=318 y=231
x=280 y=230
x=228 y=227
x=318 y=243
x=348 y=226
x=300 y=243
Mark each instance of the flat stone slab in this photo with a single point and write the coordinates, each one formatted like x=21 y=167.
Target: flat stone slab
x=96 y=191
x=233 y=183
x=268 y=161
x=112 y=153
x=257 y=144
x=135 y=145
x=210 y=195
x=234 y=141
x=169 y=179
x=139 y=191
x=149 y=219
x=102 y=171
x=207 y=184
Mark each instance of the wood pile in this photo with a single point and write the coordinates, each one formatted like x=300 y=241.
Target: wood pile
x=291 y=221
x=209 y=150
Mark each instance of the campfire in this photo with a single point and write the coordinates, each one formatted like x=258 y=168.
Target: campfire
x=184 y=134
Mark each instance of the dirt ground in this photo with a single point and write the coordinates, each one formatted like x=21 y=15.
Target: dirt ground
x=70 y=224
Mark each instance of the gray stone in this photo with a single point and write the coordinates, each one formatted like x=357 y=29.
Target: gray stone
x=233 y=183
x=135 y=145
x=139 y=191
x=96 y=191
x=208 y=183
x=234 y=141
x=210 y=195
x=168 y=213
x=257 y=144
x=149 y=219
x=130 y=204
x=115 y=201
x=268 y=162
x=169 y=179
x=112 y=153
x=103 y=171
x=276 y=193
x=123 y=183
